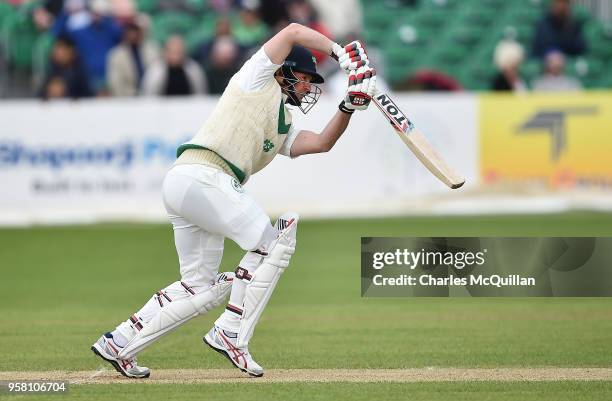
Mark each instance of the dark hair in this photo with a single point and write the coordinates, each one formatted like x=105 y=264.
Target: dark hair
x=64 y=40
x=132 y=26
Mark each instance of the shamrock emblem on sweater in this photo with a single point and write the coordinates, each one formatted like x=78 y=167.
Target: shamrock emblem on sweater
x=268 y=145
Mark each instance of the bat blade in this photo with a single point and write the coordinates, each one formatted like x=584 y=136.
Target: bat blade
x=416 y=142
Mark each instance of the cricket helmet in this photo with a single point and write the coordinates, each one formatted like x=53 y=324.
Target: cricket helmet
x=301 y=60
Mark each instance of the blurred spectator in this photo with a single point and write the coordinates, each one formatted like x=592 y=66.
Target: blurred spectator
x=559 y=30
x=124 y=11
x=248 y=30
x=127 y=63
x=508 y=57
x=223 y=28
x=73 y=14
x=176 y=75
x=55 y=88
x=301 y=11
x=554 y=78
x=223 y=63
x=94 y=33
x=342 y=17
x=45 y=13
x=274 y=13
x=53 y=6
x=65 y=75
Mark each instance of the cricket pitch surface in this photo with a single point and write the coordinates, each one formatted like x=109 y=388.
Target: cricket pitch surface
x=414 y=375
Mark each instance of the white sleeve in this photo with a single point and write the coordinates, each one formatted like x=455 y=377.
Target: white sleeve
x=285 y=150
x=256 y=72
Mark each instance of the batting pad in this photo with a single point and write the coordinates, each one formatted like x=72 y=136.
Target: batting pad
x=174 y=314
x=264 y=279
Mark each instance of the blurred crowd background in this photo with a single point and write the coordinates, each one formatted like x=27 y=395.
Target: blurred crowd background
x=97 y=48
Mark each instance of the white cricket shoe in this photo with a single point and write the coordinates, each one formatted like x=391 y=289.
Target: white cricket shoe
x=107 y=349
x=224 y=342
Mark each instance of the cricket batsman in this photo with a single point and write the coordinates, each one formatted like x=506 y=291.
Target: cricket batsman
x=206 y=202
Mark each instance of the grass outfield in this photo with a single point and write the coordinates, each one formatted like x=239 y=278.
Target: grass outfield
x=63 y=286
x=516 y=391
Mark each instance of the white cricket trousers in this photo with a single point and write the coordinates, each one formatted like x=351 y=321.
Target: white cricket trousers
x=205 y=205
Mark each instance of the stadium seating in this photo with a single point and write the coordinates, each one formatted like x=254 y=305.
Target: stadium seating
x=457 y=37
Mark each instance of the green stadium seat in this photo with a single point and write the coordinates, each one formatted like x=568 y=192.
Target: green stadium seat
x=201 y=32
x=380 y=17
x=432 y=19
x=168 y=23
x=459 y=37
x=410 y=34
x=198 y=6
x=399 y=54
x=601 y=48
x=468 y=35
x=599 y=37
x=5 y=10
x=396 y=73
x=375 y=35
x=439 y=5
x=524 y=15
x=605 y=82
x=523 y=33
x=450 y=54
x=147 y=6
x=195 y=38
x=477 y=75
x=589 y=68
x=402 y=60
x=248 y=36
x=531 y=69
x=498 y=5
x=581 y=13
x=475 y=15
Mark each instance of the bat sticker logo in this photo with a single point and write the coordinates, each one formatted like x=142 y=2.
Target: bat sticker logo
x=393 y=112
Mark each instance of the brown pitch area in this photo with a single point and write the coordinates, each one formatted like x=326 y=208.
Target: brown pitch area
x=413 y=375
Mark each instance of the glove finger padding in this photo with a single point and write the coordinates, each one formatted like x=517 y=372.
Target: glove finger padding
x=362 y=81
x=361 y=87
x=351 y=56
x=369 y=82
x=355 y=46
x=352 y=81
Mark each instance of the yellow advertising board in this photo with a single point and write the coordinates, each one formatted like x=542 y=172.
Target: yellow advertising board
x=561 y=140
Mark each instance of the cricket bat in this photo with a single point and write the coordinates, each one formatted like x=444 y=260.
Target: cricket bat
x=417 y=142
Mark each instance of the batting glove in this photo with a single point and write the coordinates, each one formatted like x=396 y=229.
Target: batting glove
x=361 y=88
x=351 y=56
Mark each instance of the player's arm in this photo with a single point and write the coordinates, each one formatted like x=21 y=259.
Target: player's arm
x=361 y=87
x=307 y=142
x=279 y=46
x=350 y=57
